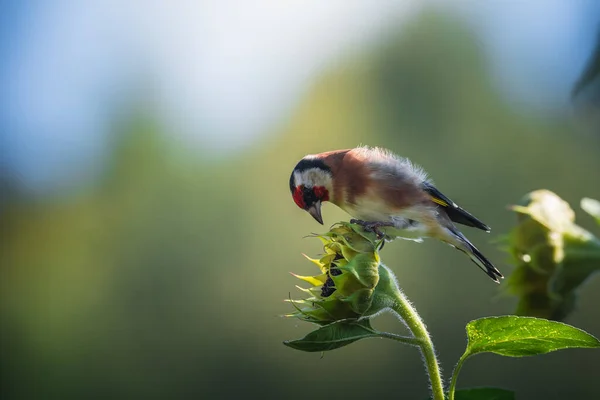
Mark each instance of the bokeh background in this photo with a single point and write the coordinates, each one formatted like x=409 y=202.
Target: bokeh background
x=147 y=229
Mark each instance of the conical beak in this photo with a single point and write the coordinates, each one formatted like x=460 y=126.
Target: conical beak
x=315 y=211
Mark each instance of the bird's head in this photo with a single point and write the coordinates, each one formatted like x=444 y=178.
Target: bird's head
x=311 y=184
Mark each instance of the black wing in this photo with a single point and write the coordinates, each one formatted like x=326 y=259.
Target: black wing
x=456 y=213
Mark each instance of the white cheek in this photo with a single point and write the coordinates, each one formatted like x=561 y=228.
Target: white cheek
x=313 y=177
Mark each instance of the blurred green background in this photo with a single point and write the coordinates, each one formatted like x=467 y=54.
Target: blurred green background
x=156 y=267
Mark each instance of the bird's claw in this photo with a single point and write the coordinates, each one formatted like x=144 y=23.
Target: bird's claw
x=372 y=226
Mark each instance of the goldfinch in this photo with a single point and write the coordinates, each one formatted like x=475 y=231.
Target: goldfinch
x=387 y=194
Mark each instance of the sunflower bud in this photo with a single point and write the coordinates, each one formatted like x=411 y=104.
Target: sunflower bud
x=553 y=256
x=348 y=278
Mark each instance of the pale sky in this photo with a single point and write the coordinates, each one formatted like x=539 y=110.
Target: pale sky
x=236 y=68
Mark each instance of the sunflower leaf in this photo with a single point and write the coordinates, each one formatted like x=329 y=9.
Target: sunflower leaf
x=333 y=336
x=514 y=336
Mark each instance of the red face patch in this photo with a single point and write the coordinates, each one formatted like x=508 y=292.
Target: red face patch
x=302 y=195
x=299 y=196
x=321 y=192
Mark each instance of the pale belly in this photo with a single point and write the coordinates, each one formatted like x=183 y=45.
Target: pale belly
x=404 y=226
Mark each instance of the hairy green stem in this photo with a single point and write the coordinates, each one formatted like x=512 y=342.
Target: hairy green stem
x=455 y=373
x=407 y=312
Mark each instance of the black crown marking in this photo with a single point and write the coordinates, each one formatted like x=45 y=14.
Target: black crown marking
x=303 y=165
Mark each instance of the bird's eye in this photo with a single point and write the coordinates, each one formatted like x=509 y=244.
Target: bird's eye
x=310 y=196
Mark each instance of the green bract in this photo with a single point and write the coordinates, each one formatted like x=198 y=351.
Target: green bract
x=553 y=255
x=349 y=274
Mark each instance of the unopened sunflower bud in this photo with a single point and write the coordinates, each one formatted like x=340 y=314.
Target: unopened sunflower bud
x=349 y=274
x=553 y=256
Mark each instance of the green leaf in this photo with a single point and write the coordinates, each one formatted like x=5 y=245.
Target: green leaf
x=515 y=336
x=524 y=336
x=333 y=336
x=484 y=393
x=591 y=207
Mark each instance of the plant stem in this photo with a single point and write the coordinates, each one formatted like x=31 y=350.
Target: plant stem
x=455 y=377
x=409 y=315
x=411 y=341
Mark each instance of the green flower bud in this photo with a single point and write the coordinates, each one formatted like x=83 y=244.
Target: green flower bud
x=553 y=256
x=349 y=274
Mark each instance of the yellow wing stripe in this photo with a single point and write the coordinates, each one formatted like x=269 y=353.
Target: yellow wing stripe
x=439 y=201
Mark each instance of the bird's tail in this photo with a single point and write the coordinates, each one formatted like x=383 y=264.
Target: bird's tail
x=460 y=242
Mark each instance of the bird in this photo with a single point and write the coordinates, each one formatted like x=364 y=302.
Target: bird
x=386 y=194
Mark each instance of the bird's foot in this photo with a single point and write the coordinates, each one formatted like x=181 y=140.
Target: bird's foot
x=372 y=226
